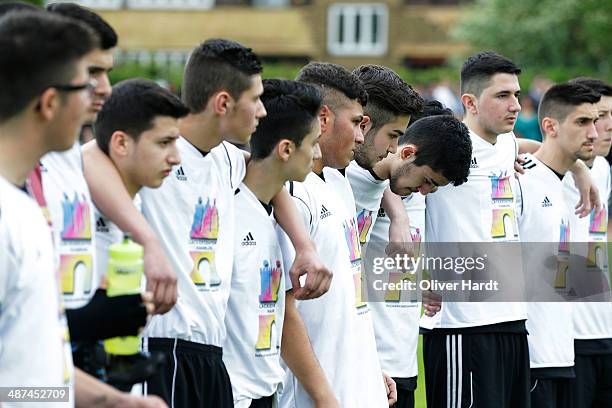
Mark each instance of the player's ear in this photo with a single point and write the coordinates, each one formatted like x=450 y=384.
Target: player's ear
x=549 y=126
x=366 y=124
x=469 y=101
x=48 y=103
x=407 y=151
x=119 y=143
x=221 y=102
x=284 y=149
x=325 y=117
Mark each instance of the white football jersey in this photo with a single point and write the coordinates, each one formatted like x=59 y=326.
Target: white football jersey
x=72 y=214
x=34 y=342
x=395 y=317
x=480 y=210
x=544 y=219
x=396 y=320
x=338 y=323
x=592 y=320
x=368 y=192
x=193 y=214
x=256 y=307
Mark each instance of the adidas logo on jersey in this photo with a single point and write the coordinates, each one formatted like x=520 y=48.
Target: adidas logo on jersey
x=546 y=202
x=249 y=240
x=180 y=174
x=473 y=164
x=101 y=225
x=325 y=212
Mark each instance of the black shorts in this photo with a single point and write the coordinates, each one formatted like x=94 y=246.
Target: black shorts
x=592 y=387
x=194 y=375
x=263 y=402
x=405 y=392
x=550 y=393
x=478 y=370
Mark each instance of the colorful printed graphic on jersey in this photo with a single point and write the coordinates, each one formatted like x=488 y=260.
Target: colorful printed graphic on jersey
x=76 y=273
x=270 y=278
x=357 y=280
x=599 y=221
x=204 y=272
x=503 y=220
x=501 y=188
x=564 y=237
x=562 y=270
x=503 y=223
x=364 y=223
x=398 y=295
x=76 y=218
x=266 y=327
x=351 y=237
x=597 y=256
x=205 y=220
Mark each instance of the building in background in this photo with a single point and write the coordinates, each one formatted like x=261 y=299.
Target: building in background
x=412 y=33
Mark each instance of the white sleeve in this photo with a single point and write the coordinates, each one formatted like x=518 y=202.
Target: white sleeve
x=303 y=204
x=288 y=254
x=236 y=162
x=519 y=199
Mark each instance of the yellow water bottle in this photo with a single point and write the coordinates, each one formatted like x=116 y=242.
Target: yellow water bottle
x=124 y=273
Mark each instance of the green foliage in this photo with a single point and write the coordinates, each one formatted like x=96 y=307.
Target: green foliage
x=39 y=3
x=287 y=71
x=543 y=33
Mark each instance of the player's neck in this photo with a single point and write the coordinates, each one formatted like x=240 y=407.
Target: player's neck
x=122 y=167
x=554 y=157
x=19 y=152
x=471 y=122
x=382 y=169
x=264 y=179
x=201 y=130
x=590 y=162
x=317 y=166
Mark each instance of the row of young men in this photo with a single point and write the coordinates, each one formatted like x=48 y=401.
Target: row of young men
x=341 y=117
x=138 y=140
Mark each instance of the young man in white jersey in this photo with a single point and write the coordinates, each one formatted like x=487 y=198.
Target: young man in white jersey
x=396 y=314
x=137 y=128
x=44 y=104
x=467 y=345
x=161 y=279
x=282 y=149
x=92 y=316
x=567 y=115
x=390 y=105
x=193 y=213
x=592 y=386
x=339 y=326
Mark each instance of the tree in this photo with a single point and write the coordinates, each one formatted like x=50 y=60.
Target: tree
x=542 y=33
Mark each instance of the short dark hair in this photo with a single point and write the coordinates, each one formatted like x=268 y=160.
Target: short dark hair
x=331 y=80
x=443 y=143
x=477 y=71
x=37 y=51
x=595 y=84
x=6 y=6
x=431 y=107
x=562 y=98
x=108 y=36
x=132 y=107
x=292 y=108
x=389 y=95
x=216 y=65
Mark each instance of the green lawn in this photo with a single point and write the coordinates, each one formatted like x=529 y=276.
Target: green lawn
x=419 y=395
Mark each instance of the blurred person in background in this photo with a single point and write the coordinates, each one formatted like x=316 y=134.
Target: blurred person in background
x=527 y=125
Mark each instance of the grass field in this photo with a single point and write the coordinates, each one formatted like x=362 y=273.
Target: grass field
x=419 y=395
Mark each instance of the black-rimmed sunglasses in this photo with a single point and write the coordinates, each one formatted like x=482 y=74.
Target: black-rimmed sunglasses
x=89 y=85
